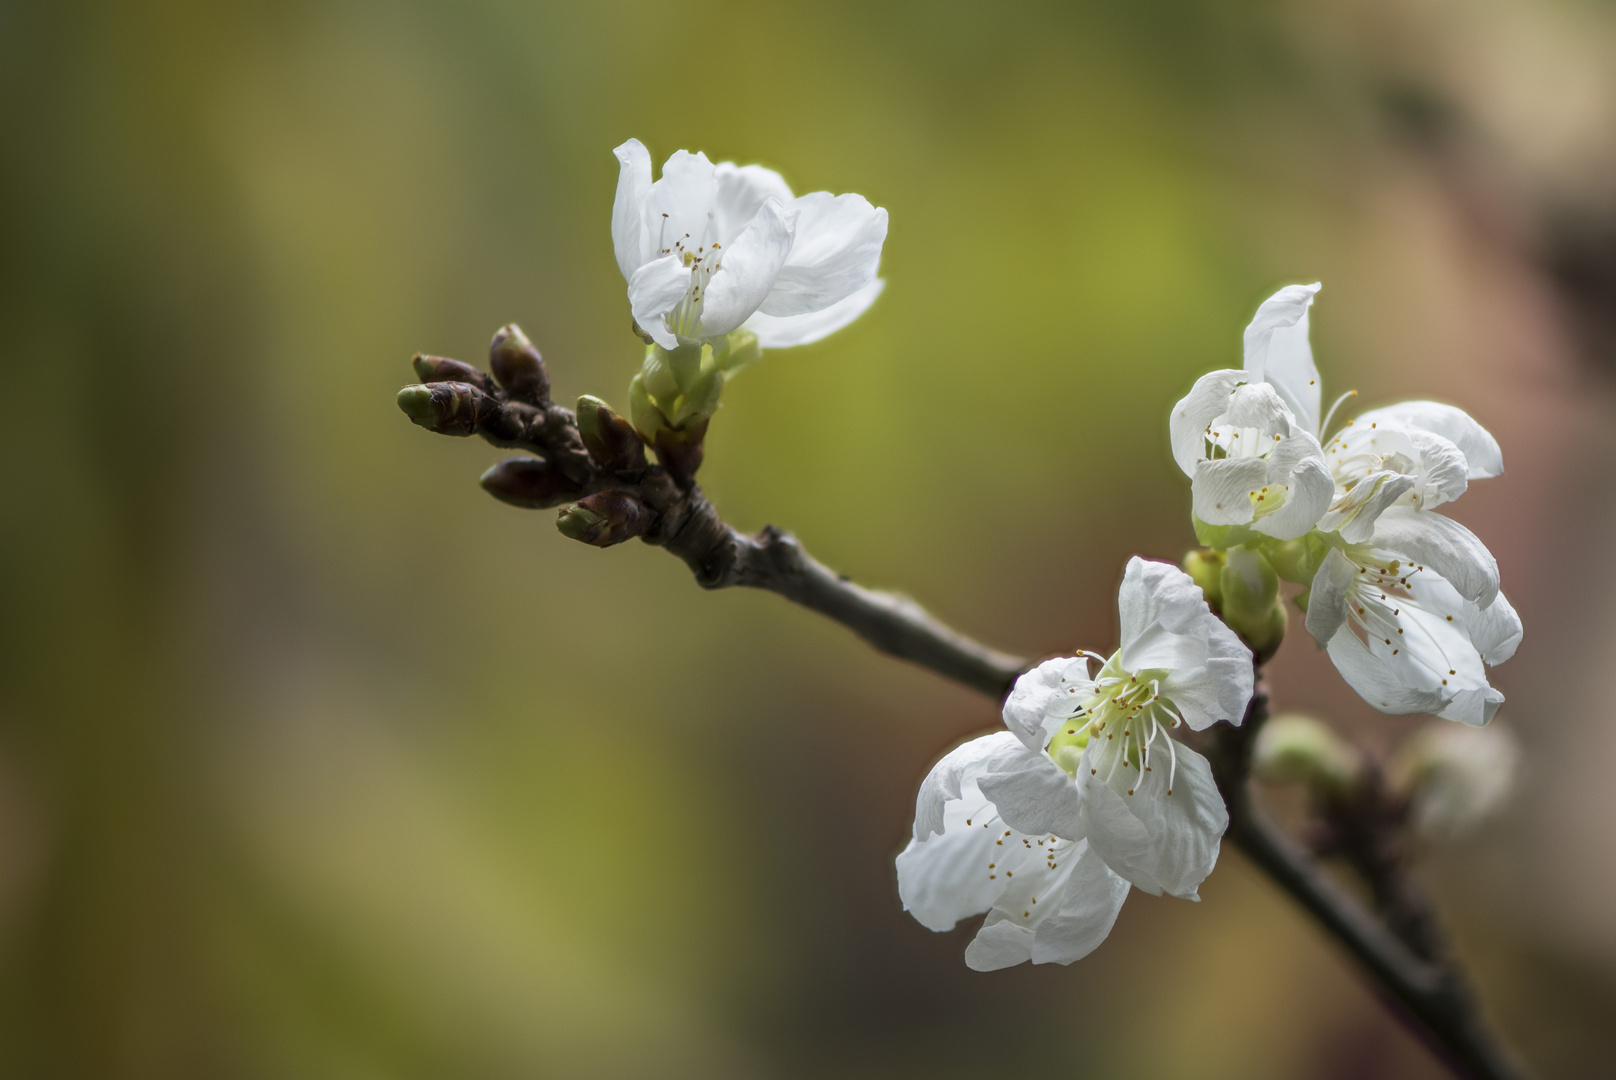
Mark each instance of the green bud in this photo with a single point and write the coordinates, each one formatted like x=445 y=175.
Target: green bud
x=700 y=400
x=736 y=350
x=577 y=522
x=611 y=440
x=642 y=411
x=416 y=401
x=1299 y=749
x=1297 y=560
x=1205 y=568
x=657 y=370
x=1220 y=537
x=1250 y=600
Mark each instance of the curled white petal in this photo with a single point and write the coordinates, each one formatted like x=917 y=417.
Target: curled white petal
x=1483 y=458
x=835 y=254
x=784 y=332
x=742 y=191
x=1194 y=413
x=1167 y=625
x=1433 y=540
x=653 y=291
x=747 y=269
x=944 y=781
x=1045 y=696
x=628 y=221
x=1277 y=352
x=1329 y=595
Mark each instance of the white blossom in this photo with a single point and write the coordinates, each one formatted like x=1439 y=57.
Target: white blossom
x=1045 y=826
x=708 y=249
x=1407 y=600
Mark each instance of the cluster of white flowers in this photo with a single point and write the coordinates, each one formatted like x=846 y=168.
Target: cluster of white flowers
x=1405 y=600
x=1045 y=825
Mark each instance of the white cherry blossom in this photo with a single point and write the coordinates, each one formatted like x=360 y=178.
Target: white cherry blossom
x=708 y=249
x=1046 y=825
x=1407 y=601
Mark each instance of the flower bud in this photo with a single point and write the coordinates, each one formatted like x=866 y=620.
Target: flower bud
x=1297 y=560
x=612 y=440
x=604 y=518
x=1299 y=749
x=736 y=350
x=1250 y=600
x=671 y=401
x=518 y=366
x=1455 y=777
x=1205 y=568
x=457 y=408
x=531 y=483
x=431 y=369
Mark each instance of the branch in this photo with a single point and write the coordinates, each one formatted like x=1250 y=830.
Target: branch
x=1429 y=993
x=593 y=464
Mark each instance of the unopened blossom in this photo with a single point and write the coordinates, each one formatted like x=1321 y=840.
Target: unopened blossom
x=1456 y=780
x=1045 y=826
x=708 y=249
x=1406 y=600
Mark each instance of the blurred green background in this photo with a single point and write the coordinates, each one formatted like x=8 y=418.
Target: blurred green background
x=316 y=762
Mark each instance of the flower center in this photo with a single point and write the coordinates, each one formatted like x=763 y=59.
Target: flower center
x=701 y=255
x=1127 y=711
x=1225 y=440
x=1381 y=610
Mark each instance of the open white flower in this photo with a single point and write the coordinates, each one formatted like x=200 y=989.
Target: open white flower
x=708 y=249
x=1046 y=825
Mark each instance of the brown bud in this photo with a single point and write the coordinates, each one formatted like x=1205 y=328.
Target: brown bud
x=457 y=408
x=680 y=450
x=612 y=440
x=518 y=366
x=604 y=518
x=431 y=369
x=531 y=483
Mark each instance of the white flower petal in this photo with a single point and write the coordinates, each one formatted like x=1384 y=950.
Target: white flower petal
x=653 y=291
x=1220 y=492
x=1482 y=456
x=742 y=190
x=1495 y=630
x=1444 y=545
x=628 y=208
x=1089 y=905
x=679 y=207
x=999 y=945
x=835 y=254
x=1375 y=680
x=783 y=333
x=1353 y=515
x=1043 y=697
x=747 y=269
x=1328 y=596
x=1277 y=351
x=944 y=879
x=1296 y=465
x=946 y=778
x=1158 y=842
x=1166 y=624
x=1032 y=793
x=1474 y=706
x=1194 y=413
x=1444 y=473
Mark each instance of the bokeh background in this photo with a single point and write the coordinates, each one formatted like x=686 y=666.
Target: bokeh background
x=316 y=762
